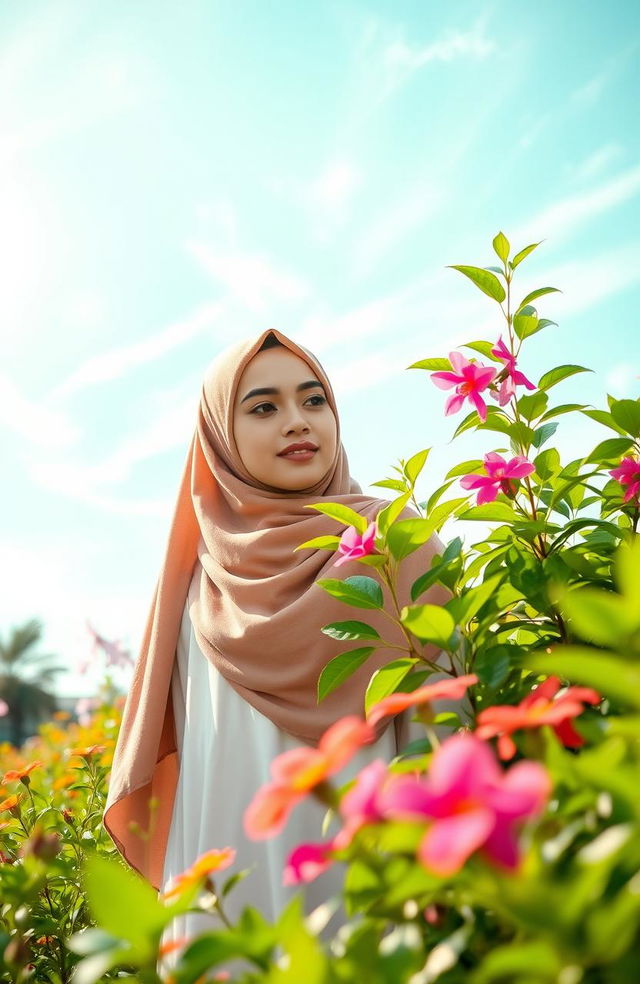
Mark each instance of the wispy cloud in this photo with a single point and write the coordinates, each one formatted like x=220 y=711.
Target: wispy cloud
x=116 y=362
x=91 y=482
x=35 y=421
x=597 y=162
x=395 y=222
x=563 y=218
x=394 y=60
x=590 y=91
x=252 y=279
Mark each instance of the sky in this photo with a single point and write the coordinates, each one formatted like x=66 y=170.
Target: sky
x=176 y=177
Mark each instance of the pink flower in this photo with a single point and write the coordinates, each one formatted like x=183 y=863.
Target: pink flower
x=395 y=703
x=299 y=770
x=306 y=862
x=115 y=652
x=513 y=376
x=541 y=706
x=354 y=545
x=469 y=379
x=500 y=477
x=628 y=473
x=4 y=708
x=470 y=804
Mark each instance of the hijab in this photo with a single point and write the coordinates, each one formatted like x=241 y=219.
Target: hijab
x=257 y=611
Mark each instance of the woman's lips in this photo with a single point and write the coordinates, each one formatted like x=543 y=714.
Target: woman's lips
x=305 y=455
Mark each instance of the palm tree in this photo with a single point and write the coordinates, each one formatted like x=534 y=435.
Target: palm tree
x=28 y=699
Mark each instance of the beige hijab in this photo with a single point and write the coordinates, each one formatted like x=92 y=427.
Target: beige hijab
x=257 y=614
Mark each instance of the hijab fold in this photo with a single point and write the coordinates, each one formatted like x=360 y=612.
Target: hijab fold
x=257 y=611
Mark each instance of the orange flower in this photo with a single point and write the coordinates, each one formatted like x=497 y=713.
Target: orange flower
x=88 y=753
x=61 y=715
x=298 y=771
x=205 y=865
x=171 y=945
x=453 y=689
x=10 y=803
x=14 y=774
x=541 y=706
x=62 y=781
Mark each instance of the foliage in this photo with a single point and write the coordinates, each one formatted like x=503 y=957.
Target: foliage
x=505 y=853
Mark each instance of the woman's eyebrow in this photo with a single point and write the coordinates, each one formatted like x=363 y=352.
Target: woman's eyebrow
x=274 y=391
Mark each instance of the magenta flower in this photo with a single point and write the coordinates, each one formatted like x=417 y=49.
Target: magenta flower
x=469 y=379
x=306 y=862
x=354 y=545
x=501 y=476
x=628 y=473
x=513 y=376
x=470 y=804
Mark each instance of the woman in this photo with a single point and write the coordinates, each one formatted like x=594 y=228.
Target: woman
x=235 y=626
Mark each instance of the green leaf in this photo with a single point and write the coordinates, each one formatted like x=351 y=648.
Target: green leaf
x=605 y=418
x=490 y=512
x=484 y=348
x=601 y=617
x=501 y=247
x=547 y=463
x=387 y=516
x=359 y=591
x=519 y=257
x=626 y=414
x=385 y=680
x=627 y=572
x=429 y=623
x=415 y=464
x=609 y=450
x=351 y=629
x=321 y=543
x=542 y=434
x=341 y=513
x=493 y=664
x=433 y=365
x=407 y=535
x=487 y=282
x=537 y=293
x=563 y=408
x=340 y=668
x=465 y=468
x=604 y=671
x=391 y=483
x=556 y=375
x=525 y=325
x=516 y=962
x=466 y=606
x=123 y=903
x=532 y=406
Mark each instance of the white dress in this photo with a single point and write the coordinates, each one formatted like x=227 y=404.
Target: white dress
x=225 y=747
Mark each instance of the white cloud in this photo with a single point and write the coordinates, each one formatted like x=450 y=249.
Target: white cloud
x=561 y=219
x=394 y=224
x=392 y=60
x=35 y=421
x=253 y=279
x=597 y=162
x=116 y=362
x=623 y=380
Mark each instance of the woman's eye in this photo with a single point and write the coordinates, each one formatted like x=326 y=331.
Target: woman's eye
x=262 y=409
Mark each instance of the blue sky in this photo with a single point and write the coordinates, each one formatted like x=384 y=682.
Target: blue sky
x=175 y=177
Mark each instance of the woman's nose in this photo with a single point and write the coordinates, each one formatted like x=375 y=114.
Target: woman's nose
x=294 y=421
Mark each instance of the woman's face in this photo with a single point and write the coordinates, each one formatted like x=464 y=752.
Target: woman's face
x=279 y=403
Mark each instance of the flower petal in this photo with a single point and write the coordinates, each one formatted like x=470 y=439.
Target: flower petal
x=450 y=841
